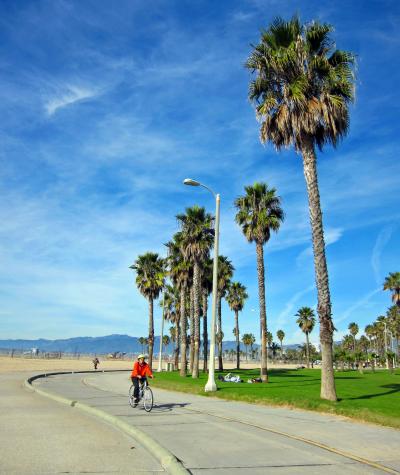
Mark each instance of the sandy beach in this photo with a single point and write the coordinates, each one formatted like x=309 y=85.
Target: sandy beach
x=11 y=365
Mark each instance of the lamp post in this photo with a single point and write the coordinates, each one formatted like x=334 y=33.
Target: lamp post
x=161 y=337
x=211 y=386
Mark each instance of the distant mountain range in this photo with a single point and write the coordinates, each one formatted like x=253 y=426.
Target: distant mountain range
x=100 y=344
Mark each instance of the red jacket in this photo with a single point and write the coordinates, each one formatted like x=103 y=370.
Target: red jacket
x=141 y=369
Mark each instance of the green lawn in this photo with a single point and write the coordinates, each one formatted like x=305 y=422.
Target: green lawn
x=372 y=397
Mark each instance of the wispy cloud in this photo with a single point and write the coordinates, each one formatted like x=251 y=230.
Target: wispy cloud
x=289 y=309
x=331 y=236
x=380 y=243
x=361 y=303
x=69 y=96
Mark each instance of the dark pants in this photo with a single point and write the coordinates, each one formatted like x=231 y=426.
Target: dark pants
x=136 y=382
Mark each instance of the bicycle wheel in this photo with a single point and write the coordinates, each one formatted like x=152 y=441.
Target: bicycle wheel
x=147 y=399
x=131 y=398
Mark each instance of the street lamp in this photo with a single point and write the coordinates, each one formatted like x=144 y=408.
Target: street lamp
x=211 y=386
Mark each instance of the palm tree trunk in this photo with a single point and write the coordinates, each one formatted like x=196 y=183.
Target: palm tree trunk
x=326 y=328
x=178 y=341
x=219 y=332
x=307 y=351
x=183 y=333
x=237 y=339
x=205 y=334
x=263 y=313
x=196 y=309
x=191 y=354
x=151 y=332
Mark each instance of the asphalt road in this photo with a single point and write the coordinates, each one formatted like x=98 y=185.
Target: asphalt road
x=212 y=436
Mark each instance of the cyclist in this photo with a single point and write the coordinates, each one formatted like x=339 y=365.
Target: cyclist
x=139 y=372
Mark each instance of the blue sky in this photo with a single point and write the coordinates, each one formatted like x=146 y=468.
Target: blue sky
x=107 y=106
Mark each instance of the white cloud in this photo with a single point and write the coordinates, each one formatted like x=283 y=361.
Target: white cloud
x=70 y=96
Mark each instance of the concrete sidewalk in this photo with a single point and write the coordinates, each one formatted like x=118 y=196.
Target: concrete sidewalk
x=39 y=436
x=214 y=436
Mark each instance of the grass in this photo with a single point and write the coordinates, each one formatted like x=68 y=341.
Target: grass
x=370 y=397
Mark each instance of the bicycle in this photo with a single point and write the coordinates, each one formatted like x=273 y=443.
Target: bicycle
x=145 y=395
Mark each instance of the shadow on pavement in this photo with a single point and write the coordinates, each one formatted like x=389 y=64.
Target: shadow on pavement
x=170 y=406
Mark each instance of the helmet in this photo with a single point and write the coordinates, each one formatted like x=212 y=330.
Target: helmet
x=141 y=356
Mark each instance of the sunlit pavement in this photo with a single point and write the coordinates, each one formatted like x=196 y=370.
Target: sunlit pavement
x=214 y=436
x=40 y=436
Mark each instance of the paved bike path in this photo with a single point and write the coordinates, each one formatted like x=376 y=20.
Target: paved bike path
x=214 y=436
x=39 y=436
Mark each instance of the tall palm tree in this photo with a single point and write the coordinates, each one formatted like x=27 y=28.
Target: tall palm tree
x=393 y=318
x=252 y=340
x=206 y=285
x=281 y=335
x=166 y=340
x=392 y=283
x=225 y=273
x=369 y=331
x=236 y=298
x=197 y=237
x=347 y=342
x=274 y=348
x=142 y=341
x=306 y=321
x=180 y=272
x=302 y=90
x=247 y=339
x=259 y=213
x=150 y=276
x=171 y=314
x=270 y=338
x=353 y=329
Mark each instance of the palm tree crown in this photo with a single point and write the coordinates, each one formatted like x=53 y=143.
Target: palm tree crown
x=150 y=274
x=306 y=319
x=197 y=236
x=303 y=85
x=236 y=296
x=353 y=328
x=392 y=283
x=259 y=212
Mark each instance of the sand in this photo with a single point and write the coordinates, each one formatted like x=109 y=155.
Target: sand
x=16 y=364
x=12 y=365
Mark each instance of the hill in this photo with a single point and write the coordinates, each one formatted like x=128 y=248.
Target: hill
x=101 y=345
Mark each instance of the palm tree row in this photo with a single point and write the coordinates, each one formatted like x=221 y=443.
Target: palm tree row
x=189 y=269
x=301 y=92
x=376 y=334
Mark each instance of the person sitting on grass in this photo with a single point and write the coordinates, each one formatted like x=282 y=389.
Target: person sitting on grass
x=139 y=372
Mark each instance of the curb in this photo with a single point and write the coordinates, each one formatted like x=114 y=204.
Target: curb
x=167 y=460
